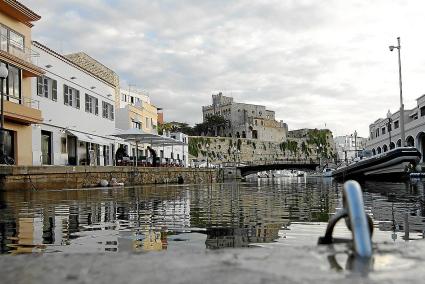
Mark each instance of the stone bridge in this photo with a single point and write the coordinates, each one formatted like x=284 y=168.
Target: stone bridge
x=242 y=170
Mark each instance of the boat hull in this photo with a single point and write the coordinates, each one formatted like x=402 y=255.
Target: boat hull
x=391 y=165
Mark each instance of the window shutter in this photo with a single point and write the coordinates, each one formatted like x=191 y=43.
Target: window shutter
x=54 y=90
x=65 y=95
x=112 y=111
x=87 y=103
x=46 y=87
x=40 y=86
x=77 y=98
x=96 y=107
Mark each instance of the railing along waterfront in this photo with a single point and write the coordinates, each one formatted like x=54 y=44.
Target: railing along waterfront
x=12 y=47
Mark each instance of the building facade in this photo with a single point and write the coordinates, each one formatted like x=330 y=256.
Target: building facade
x=176 y=154
x=384 y=133
x=136 y=111
x=246 y=120
x=347 y=146
x=20 y=110
x=78 y=110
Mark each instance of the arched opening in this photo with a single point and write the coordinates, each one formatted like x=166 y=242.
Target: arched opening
x=392 y=145
x=398 y=143
x=378 y=150
x=373 y=152
x=254 y=134
x=238 y=135
x=384 y=148
x=410 y=142
x=243 y=134
x=420 y=144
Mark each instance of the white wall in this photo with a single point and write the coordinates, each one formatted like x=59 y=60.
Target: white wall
x=57 y=116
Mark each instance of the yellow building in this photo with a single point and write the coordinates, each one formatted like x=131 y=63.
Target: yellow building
x=136 y=111
x=16 y=54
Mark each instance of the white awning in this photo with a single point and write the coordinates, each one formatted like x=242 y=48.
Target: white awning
x=80 y=136
x=89 y=138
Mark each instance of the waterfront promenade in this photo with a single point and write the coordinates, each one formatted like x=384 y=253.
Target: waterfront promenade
x=69 y=177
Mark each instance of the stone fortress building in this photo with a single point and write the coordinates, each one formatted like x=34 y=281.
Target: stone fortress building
x=246 y=120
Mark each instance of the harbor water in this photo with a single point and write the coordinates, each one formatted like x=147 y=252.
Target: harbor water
x=265 y=212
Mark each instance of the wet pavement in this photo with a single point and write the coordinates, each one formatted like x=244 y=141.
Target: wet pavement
x=307 y=264
x=252 y=232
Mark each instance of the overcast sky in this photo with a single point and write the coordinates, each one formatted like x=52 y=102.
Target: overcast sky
x=313 y=62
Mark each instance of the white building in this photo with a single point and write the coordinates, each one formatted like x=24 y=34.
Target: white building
x=385 y=132
x=78 y=113
x=346 y=146
x=176 y=154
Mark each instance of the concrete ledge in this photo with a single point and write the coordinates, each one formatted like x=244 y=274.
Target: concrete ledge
x=66 y=177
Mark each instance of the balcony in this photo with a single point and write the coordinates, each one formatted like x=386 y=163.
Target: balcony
x=23 y=111
x=24 y=58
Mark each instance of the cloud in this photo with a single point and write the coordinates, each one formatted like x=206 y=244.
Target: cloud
x=313 y=62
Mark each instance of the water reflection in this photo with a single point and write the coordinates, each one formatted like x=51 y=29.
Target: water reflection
x=167 y=217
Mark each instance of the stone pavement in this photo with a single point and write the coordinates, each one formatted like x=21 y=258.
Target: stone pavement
x=401 y=263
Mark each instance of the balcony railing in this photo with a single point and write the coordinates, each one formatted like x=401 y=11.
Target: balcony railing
x=28 y=102
x=12 y=47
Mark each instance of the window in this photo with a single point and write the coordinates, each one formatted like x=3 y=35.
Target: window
x=107 y=111
x=71 y=96
x=423 y=111
x=377 y=132
x=14 y=84
x=396 y=124
x=123 y=97
x=63 y=145
x=47 y=88
x=11 y=39
x=92 y=104
x=136 y=124
x=383 y=130
x=147 y=123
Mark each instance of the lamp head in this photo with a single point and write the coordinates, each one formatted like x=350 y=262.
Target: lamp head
x=391 y=47
x=4 y=72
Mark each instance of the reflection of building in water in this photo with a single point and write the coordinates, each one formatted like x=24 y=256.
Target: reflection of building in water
x=241 y=215
x=91 y=221
x=396 y=202
x=241 y=237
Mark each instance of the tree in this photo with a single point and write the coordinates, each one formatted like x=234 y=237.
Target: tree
x=211 y=125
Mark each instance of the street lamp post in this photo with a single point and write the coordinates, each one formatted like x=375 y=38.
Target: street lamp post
x=4 y=72
x=389 y=129
x=355 y=143
x=402 y=134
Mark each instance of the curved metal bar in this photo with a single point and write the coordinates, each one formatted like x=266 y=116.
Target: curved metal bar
x=353 y=199
x=356 y=220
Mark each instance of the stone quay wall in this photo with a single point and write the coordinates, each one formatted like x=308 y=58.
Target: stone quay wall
x=225 y=149
x=68 y=177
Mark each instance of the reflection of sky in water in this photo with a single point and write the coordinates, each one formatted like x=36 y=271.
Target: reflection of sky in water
x=278 y=212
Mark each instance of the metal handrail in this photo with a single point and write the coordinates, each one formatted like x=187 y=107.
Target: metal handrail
x=29 y=102
x=359 y=223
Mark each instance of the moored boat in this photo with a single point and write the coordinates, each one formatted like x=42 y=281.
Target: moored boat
x=389 y=165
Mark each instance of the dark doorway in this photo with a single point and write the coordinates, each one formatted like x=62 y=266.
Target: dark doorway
x=72 y=150
x=46 y=147
x=9 y=146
